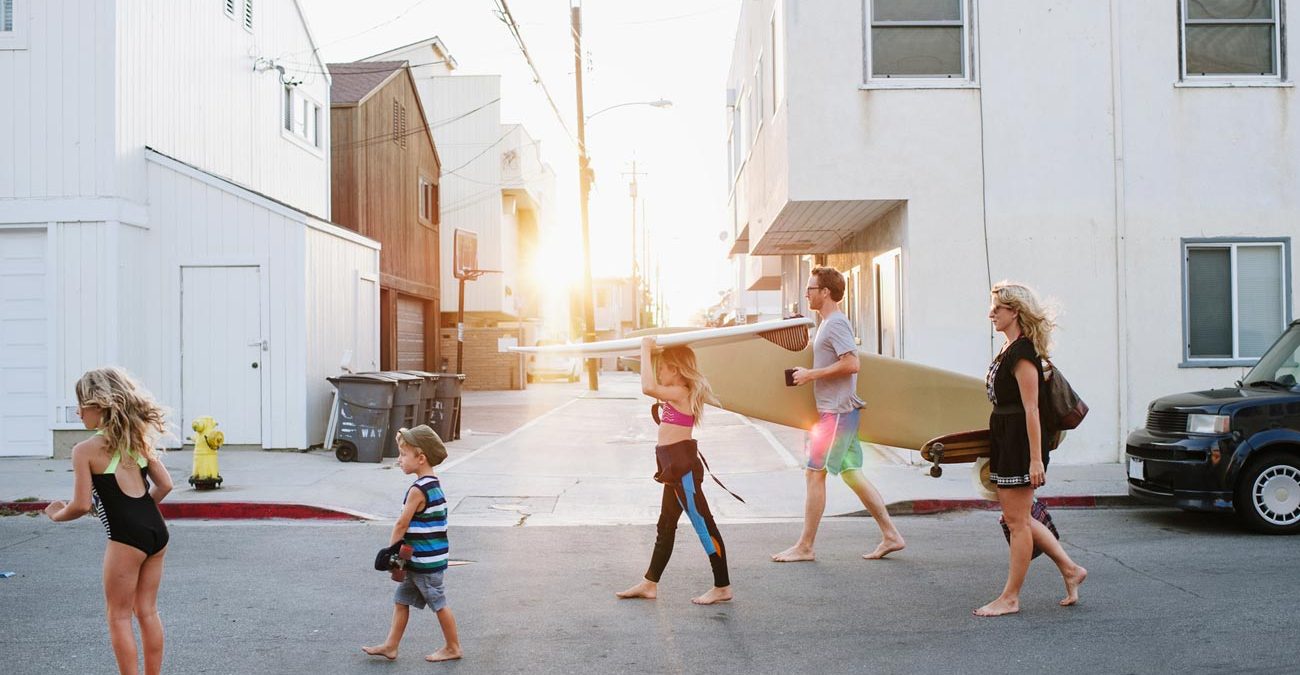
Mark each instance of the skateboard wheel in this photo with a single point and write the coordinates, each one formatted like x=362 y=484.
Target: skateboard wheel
x=936 y=471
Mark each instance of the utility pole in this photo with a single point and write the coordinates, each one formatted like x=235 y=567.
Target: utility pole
x=636 y=273
x=584 y=191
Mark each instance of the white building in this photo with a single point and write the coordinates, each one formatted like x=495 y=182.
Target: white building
x=164 y=203
x=494 y=184
x=1136 y=161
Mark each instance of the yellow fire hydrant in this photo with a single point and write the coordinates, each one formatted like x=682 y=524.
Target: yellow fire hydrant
x=207 y=438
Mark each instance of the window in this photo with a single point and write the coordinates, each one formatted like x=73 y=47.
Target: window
x=735 y=142
x=918 y=39
x=12 y=25
x=1234 y=298
x=778 y=58
x=248 y=15
x=889 y=303
x=1231 y=38
x=230 y=8
x=761 y=95
x=301 y=117
x=428 y=198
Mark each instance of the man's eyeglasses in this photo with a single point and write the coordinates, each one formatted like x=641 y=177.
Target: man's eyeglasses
x=810 y=289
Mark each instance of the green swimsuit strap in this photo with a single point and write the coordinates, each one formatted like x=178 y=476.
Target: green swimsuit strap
x=140 y=460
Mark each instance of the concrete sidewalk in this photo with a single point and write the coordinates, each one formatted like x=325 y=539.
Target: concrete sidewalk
x=558 y=454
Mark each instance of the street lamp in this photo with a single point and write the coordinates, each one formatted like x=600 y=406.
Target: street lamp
x=661 y=103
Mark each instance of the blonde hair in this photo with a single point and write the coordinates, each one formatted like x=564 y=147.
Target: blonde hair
x=131 y=417
x=682 y=361
x=1036 y=320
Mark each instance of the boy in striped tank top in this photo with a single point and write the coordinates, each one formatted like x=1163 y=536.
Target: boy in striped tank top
x=423 y=527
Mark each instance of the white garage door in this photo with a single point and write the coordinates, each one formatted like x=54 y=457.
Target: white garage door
x=24 y=418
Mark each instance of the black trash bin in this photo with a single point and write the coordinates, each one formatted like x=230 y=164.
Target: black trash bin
x=406 y=406
x=448 y=404
x=362 y=416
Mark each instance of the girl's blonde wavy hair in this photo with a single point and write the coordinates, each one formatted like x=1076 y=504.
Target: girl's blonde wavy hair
x=1036 y=320
x=682 y=361
x=131 y=417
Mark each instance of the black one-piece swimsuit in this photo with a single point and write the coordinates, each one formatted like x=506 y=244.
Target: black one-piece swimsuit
x=134 y=521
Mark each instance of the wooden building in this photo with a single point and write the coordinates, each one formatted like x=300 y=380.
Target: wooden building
x=385 y=176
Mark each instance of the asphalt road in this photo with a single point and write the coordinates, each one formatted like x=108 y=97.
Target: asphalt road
x=1167 y=592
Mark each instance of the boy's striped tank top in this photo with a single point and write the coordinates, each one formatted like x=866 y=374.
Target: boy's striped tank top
x=427 y=533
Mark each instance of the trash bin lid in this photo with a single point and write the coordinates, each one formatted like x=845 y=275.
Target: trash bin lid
x=361 y=377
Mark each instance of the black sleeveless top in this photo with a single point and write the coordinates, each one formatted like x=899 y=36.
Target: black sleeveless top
x=1000 y=382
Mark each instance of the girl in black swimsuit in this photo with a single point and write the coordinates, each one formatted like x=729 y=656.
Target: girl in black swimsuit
x=113 y=470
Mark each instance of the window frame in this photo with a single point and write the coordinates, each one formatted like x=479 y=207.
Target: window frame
x=228 y=6
x=426 y=201
x=776 y=42
x=16 y=38
x=1233 y=244
x=1279 y=48
x=294 y=101
x=967 y=80
x=247 y=19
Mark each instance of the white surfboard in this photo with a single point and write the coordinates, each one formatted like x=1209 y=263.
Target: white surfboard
x=632 y=345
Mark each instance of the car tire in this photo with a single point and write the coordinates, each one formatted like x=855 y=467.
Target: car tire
x=1268 y=494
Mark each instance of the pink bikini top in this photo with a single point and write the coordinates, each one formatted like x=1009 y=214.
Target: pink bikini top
x=674 y=416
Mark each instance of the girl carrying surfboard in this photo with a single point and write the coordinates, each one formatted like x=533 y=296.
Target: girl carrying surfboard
x=1017 y=459
x=673 y=380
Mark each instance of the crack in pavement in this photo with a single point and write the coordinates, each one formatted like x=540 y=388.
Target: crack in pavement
x=1130 y=568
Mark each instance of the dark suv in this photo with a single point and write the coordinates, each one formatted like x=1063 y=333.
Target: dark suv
x=1235 y=449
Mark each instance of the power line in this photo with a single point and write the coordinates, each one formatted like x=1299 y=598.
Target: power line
x=509 y=20
x=315 y=50
x=362 y=142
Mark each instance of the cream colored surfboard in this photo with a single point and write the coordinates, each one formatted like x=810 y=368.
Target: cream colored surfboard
x=907 y=403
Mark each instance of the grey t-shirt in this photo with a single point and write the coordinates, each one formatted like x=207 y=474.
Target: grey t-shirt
x=834 y=339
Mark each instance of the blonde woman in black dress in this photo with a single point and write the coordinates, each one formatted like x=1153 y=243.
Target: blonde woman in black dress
x=1017 y=459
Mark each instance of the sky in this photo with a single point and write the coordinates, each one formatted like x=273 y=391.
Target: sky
x=678 y=50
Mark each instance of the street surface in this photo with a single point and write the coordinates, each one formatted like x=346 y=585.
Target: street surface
x=1167 y=592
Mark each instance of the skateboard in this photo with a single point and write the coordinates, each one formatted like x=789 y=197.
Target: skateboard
x=960 y=448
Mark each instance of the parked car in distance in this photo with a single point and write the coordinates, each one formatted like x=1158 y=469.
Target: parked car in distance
x=543 y=367
x=1235 y=449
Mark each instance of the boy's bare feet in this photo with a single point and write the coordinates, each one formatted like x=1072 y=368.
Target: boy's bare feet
x=714 y=595
x=385 y=651
x=885 y=547
x=999 y=607
x=444 y=654
x=645 y=589
x=795 y=553
x=1072 y=583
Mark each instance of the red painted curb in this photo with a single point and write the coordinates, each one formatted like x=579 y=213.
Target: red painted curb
x=224 y=510
x=920 y=507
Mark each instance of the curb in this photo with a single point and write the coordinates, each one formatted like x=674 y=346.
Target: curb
x=228 y=510
x=921 y=507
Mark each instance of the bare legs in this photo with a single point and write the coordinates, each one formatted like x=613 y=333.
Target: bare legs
x=815 y=506
x=401 y=615
x=1026 y=533
x=131 y=589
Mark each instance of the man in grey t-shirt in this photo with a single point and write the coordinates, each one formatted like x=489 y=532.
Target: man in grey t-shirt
x=833 y=442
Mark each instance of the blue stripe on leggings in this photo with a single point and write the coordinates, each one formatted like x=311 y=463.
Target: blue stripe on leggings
x=688 y=486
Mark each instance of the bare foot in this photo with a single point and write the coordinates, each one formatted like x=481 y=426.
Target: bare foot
x=444 y=654
x=714 y=595
x=645 y=589
x=999 y=607
x=795 y=553
x=885 y=547
x=385 y=651
x=1072 y=584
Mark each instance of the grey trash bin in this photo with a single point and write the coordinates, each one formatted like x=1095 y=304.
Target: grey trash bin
x=406 y=406
x=428 y=412
x=448 y=404
x=364 y=412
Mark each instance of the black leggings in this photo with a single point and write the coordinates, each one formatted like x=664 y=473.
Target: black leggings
x=686 y=495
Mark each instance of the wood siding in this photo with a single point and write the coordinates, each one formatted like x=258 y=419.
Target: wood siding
x=376 y=179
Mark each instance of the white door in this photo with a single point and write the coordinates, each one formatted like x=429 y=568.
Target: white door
x=366 y=336
x=889 y=304
x=24 y=415
x=222 y=350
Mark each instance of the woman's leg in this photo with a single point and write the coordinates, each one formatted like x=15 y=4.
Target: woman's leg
x=697 y=509
x=1071 y=572
x=1015 y=510
x=146 y=612
x=670 y=511
x=121 y=576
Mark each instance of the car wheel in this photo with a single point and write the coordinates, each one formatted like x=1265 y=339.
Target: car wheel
x=1268 y=494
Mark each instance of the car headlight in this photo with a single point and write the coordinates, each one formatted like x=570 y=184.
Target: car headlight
x=1207 y=424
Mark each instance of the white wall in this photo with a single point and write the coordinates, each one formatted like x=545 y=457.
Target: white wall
x=1072 y=156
